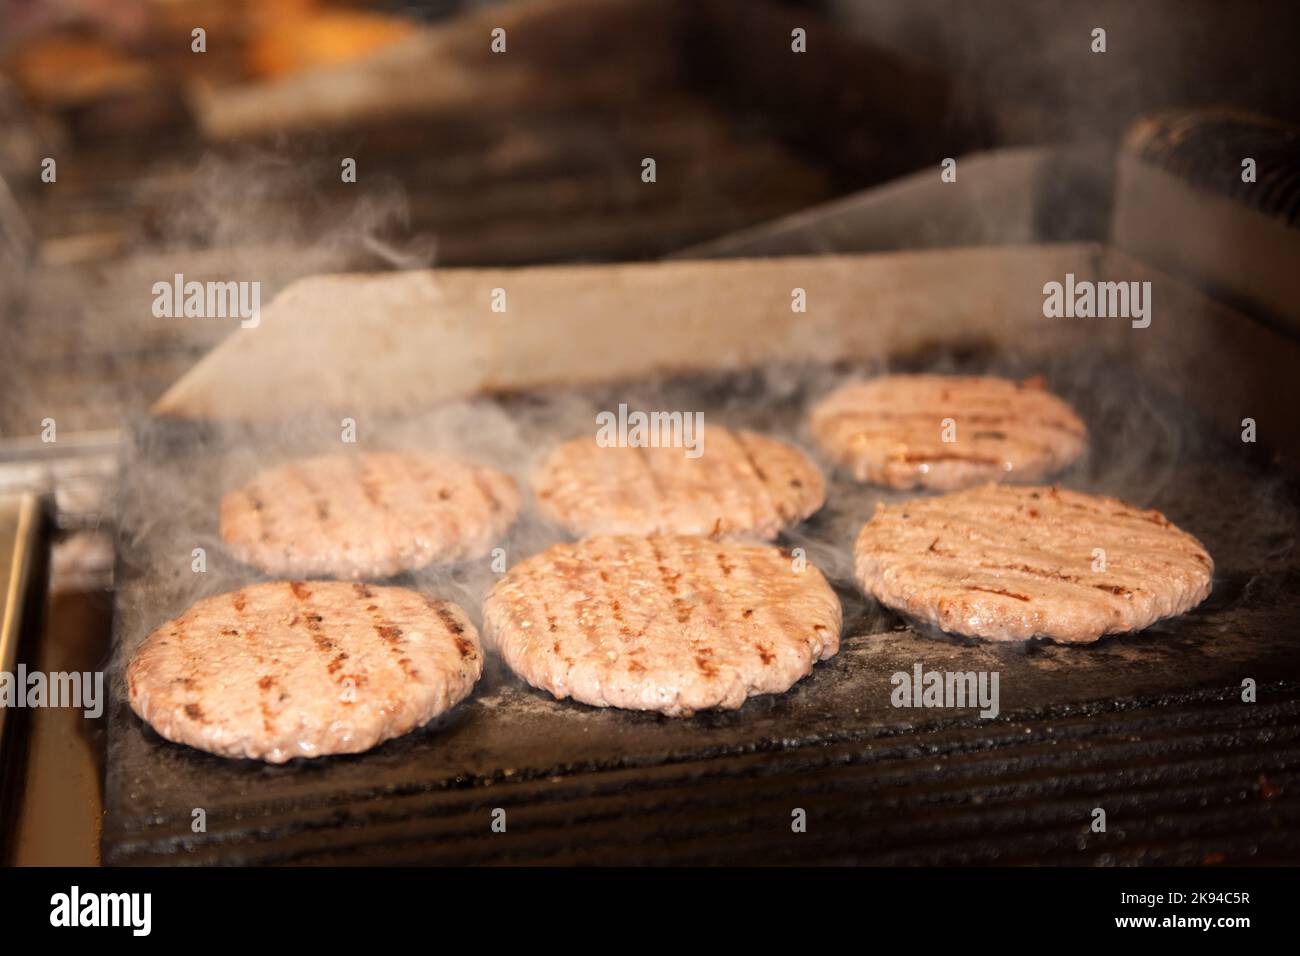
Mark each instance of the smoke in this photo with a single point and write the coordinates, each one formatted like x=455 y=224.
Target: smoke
x=1145 y=448
x=175 y=475
x=250 y=198
x=273 y=220
x=255 y=213
x=84 y=346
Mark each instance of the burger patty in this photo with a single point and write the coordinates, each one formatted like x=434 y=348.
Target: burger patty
x=742 y=484
x=367 y=516
x=946 y=432
x=1010 y=563
x=673 y=624
x=303 y=669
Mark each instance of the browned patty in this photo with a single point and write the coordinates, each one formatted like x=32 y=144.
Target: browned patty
x=891 y=431
x=302 y=669
x=742 y=484
x=367 y=516
x=668 y=623
x=1010 y=563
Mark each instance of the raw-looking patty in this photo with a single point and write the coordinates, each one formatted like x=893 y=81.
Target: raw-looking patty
x=303 y=668
x=367 y=516
x=1009 y=563
x=891 y=431
x=742 y=484
x=668 y=623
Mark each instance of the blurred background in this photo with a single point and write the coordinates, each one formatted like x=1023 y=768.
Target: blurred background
x=206 y=137
x=228 y=160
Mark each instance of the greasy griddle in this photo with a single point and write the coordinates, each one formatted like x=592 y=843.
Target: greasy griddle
x=1150 y=727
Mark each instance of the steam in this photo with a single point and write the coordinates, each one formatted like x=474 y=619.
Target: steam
x=1146 y=449
x=244 y=215
x=176 y=474
x=254 y=198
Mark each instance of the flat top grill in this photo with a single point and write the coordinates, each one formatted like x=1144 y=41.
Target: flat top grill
x=1149 y=727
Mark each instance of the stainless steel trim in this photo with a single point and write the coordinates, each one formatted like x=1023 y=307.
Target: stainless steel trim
x=20 y=527
x=78 y=472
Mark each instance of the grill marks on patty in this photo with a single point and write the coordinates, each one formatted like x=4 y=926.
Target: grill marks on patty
x=303 y=669
x=889 y=431
x=772 y=500
x=668 y=623
x=318 y=500
x=668 y=578
x=1011 y=563
x=257 y=510
x=494 y=506
x=742 y=484
x=372 y=515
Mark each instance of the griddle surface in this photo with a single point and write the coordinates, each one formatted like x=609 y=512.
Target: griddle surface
x=1149 y=727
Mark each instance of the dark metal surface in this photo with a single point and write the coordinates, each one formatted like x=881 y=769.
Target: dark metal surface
x=1149 y=727
x=1206 y=148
